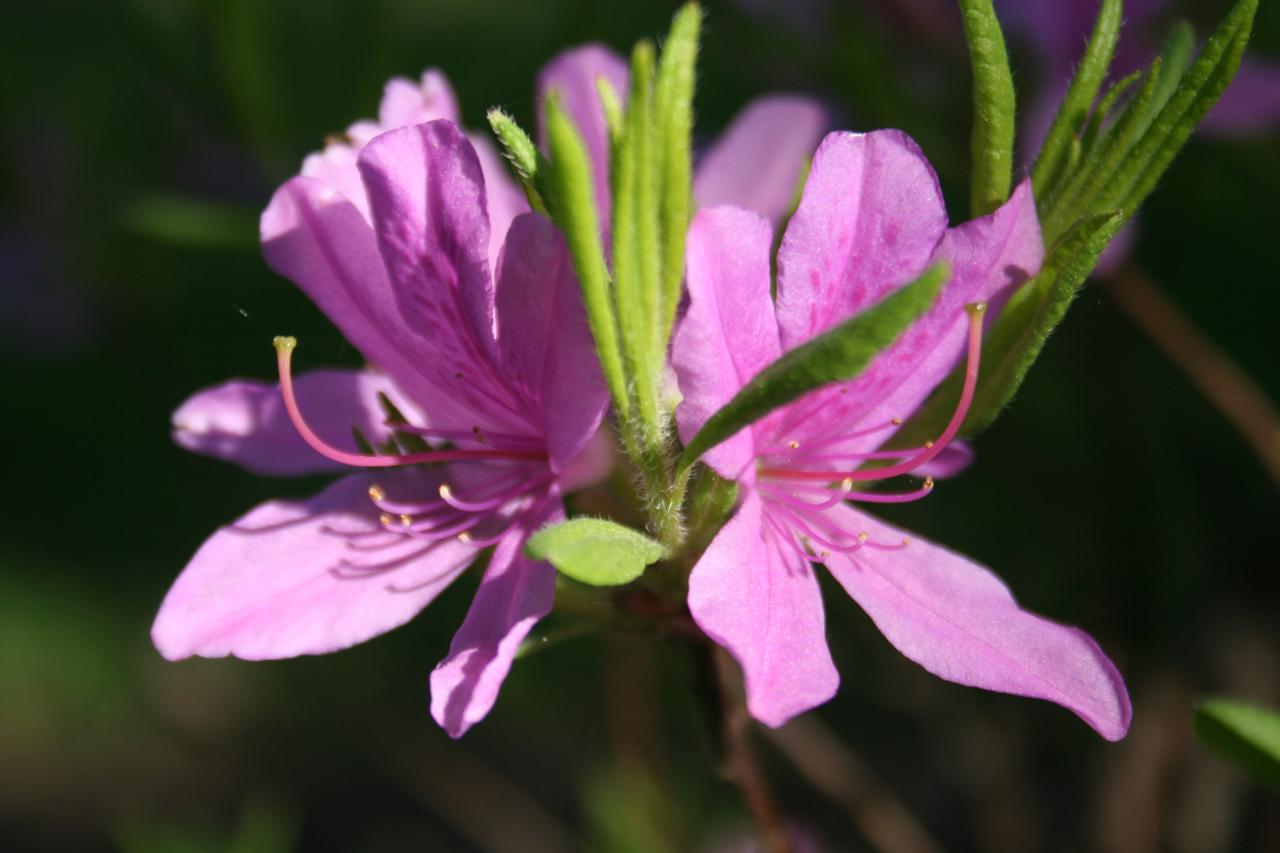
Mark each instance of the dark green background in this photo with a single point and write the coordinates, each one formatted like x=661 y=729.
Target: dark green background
x=138 y=142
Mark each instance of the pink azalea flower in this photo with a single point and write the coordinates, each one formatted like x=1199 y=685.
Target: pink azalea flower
x=871 y=218
x=501 y=367
x=393 y=231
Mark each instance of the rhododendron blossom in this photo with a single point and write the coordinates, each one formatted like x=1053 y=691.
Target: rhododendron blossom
x=412 y=238
x=870 y=220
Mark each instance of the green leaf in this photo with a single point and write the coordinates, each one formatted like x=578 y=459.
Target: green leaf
x=673 y=110
x=1018 y=335
x=994 y=104
x=1078 y=103
x=573 y=200
x=636 y=250
x=1246 y=735
x=523 y=154
x=839 y=354
x=594 y=551
x=1196 y=93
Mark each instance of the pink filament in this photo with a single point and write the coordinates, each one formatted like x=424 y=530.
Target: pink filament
x=929 y=452
x=284 y=359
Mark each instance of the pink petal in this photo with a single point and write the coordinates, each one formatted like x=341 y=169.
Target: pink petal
x=405 y=102
x=427 y=196
x=276 y=583
x=762 y=603
x=1251 y=104
x=543 y=337
x=573 y=74
x=869 y=220
x=317 y=239
x=729 y=332
x=335 y=167
x=988 y=258
x=957 y=620
x=758 y=161
x=516 y=592
x=428 y=201
x=505 y=198
x=244 y=421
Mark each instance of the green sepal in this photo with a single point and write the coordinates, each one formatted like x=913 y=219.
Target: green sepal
x=1103 y=111
x=523 y=155
x=837 y=355
x=1078 y=103
x=1246 y=735
x=611 y=106
x=994 y=102
x=400 y=442
x=1018 y=335
x=594 y=551
x=673 y=113
x=570 y=186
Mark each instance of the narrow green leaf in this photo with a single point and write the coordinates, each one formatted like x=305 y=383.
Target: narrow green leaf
x=635 y=246
x=1104 y=108
x=523 y=154
x=673 y=109
x=1018 y=335
x=837 y=355
x=1196 y=93
x=1077 y=196
x=994 y=102
x=612 y=108
x=1080 y=96
x=1175 y=56
x=1246 y=735
x=573 y=200
x=594 y=551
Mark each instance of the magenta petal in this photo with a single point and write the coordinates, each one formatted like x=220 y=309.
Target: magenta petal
x=426 y=193
x=758 y=160
x=989 y=257
x=516 y=592
x=573 y=74
x=544 y=340
x=244 y=421
x=761 y=601
x=729 y=333
x=318 y=240
x=405 y=102
x=335 y=167
x=868 y=222
x=285 y=580
x=957 y=620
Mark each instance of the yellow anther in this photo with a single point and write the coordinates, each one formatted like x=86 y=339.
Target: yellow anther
x=445 y=491
x=464 y=537
x=896 y=421
x=284 y=342
x=928 y=445
x=846 y=485
x=905 y=542
x=928 y=482
x=794 y=445
x=406 y=520
x=864 y=536
x=824 y=553
x=376 y=493
x=386 y=518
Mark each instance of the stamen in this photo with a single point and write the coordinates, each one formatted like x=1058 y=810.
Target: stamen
x=931 y=449
x=902 y=498
x=483 y=505
x=284 y=358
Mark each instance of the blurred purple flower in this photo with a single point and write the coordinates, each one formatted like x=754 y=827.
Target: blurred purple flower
x=871 y=218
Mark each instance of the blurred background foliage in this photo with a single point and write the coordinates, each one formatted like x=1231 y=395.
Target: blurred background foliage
x=139 y=140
